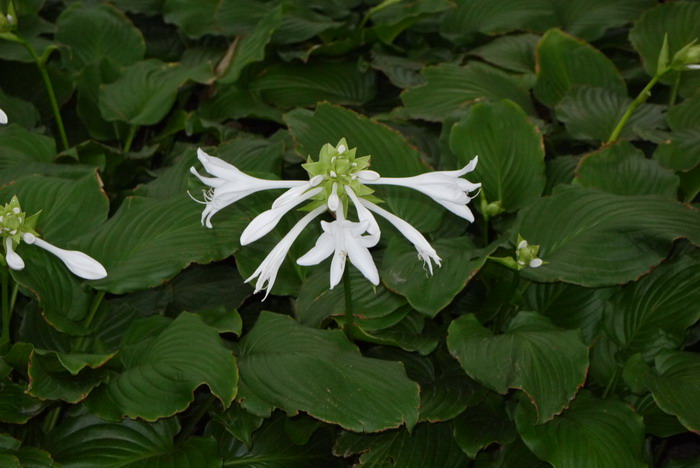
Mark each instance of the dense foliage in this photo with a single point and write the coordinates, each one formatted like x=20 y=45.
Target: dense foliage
x=587 y=360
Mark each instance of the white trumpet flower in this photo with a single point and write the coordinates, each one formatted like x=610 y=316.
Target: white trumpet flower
x=79 y=263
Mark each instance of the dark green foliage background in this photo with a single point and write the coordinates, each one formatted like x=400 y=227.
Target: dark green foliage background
x=591 y=360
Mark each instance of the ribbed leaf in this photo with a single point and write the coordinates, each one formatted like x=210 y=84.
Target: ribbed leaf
x=622 y=169
x=160 y=375
x=288 y=366
x=150 y=240
x=216 y=17
x=451 y=88
x=674 y=383
x=684 y=115
x=680 y=152
x=547 y=363
x=592 y=113
x=22 y=152
x=16 y=406
x=603 y=239
x=86 y=440
x=564 y=62
x=654 y=312
x=510 y=149
x=515 y=52
x=93 y=31
x=292 y=85
x=589 y=434
x=13 y=454
x=478 y=427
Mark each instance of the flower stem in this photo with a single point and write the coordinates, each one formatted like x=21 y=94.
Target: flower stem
x=130 y=137
x=349 y=318
x=41 y=65
x=639 y=100
x=674 y=90
x=90 y=317
x=6 y=310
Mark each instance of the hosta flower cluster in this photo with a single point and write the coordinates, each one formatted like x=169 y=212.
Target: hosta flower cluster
x=16 y=226
x=339 y=183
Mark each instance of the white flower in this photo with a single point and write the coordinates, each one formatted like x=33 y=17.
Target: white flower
x=425 y=250
x=267 y=271
x=229 y=184
x=14 y=261
x=343 y=239
x=445 y=187
x=3 y=117
x=526 y=254
x=79 y=263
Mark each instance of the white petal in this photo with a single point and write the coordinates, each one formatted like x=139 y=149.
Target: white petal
x=325 y=245
x=362 y=259
x=536 y=262
x=337 y=267
x=79 y=263
x=367 y=176
x=363 y=214
x=14 y=261
x=3 y=120
x=333 y=199
x=218 y=167
x=522 y=244
x=462 y=211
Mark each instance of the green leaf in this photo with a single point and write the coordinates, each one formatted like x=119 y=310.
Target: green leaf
x=545 y=362
x=451 y=88
x=680 y=22
x=150 y=240
x=292 y=85
x=23 y=152
x=16 y=407
x=603 y=239
x=405 y=274
x=564 y=62
x=252 y=47
x=67 y=377
x=478 y=427
x=592 y=113
x=315 y=302
x=238 y=422
x=209 y=287
x=286 y=365
x=161 y=374
x=427 y=446
x=674 y=383
x=516 y=52
x=272 y=447
x=511 y=169
x=215 y=17
x=392 y=155
x=93 y=31
x=622 y=169
x=89 y=441
x=684 y=115
x=654 y=312
x=12 y=453
x=590 y=433
x=681 y=151
x=144 y=93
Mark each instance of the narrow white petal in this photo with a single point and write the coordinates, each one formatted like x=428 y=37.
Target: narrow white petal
x=266 y=273
x=460 y=210
x=536 y=262
x=325 y=245
x=333 y=199
x=367 y=175
x=522 y=244
x=363 y=214
x=266 y=221
x=3 y=120
x=14 y=261
x=79 y=263
x=337 y=267
x=362 y=259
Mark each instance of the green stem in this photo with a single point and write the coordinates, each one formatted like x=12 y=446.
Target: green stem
x=50 y=91
x=674 y=89
x=79 y=344
x=51 y=419
x=349 y=318
x=13 y=298
x=6 y=310
x=639 y=100
x=130 y=137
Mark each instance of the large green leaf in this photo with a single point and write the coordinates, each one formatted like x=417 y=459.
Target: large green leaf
x=86 y=440
x=451 y=88
x=622 y=169
x=547 y=363
x=677 y=21
x=654 y=312
x=516 y=52
x=23 y=150
x=217 y=17
x=591 y=433
x=603 y=239
x=592 y=113
x=150 y=240
x=684 y=115
x=286 y=365
x=564 y=62
x=478 y=427
x=392 y=155
x=427 y=446
x=14 y=454
x=674 y=384
x=681 y=151
x=144 y=93
x=511 y=165
x=293 y=85
x=405 y=274
x=252 y=47
x=161 y=374
x=93 y=31
x=16 y=406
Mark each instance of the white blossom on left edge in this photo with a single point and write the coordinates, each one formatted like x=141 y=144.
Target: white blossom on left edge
x=16 y=226
x=3 y=117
